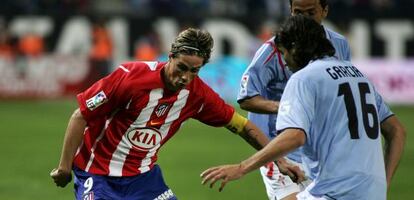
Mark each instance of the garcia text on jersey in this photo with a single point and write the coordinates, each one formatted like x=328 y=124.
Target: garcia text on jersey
x=343 y=71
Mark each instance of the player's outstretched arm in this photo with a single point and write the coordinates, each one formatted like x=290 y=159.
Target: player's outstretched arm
x=394 y=135
x=287 y=141
x=254 y=136
x=258 y=104
x=248 y=131
x=73 y=138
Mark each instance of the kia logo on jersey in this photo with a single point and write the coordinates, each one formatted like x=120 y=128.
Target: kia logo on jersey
x=144 y=138
x=161 y=109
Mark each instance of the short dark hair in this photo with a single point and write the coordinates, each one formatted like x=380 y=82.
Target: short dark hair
x=193 y=42
x=306 y=36
x=323 y=3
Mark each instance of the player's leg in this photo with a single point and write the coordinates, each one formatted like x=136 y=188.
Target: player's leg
x=278 y=186
x=291 y=196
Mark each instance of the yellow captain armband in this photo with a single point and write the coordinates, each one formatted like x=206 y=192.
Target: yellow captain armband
x=237 y=123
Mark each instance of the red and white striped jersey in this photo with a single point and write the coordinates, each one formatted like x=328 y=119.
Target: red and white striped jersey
x=130 y=114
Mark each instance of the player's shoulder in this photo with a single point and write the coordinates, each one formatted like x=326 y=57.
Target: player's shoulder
x=265 y=55
x=139 y=66
x=200 y=88
x=269 y=44
x=332 y=35
x=268 y=48
x=146 y=74
x=198 y=85
x=140 y=75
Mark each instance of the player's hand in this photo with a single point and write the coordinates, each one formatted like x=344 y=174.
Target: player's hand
x=293 y=171
x=225 y=172
x=61 y=177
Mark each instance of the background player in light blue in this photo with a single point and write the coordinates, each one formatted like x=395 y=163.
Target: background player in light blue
x=333 y=111
x=262 y=86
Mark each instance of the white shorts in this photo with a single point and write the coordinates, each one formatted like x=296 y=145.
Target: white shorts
x=278 y=185
x=305 y=195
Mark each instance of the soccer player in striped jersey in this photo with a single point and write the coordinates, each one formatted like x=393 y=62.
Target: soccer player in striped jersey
x=112 y=140
x=261 y=88
x=332 y=111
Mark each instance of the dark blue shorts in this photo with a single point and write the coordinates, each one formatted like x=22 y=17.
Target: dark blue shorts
x=147 y=186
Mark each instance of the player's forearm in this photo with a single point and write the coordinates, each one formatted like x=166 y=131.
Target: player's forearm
x=258 y=104
x=275 y=149
x=252 y=134
x=394 y=135
x=255 y=137
x=73 y=138
x=393 y=152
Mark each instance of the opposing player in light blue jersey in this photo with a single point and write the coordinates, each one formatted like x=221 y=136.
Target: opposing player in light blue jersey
x=262 y=86
x=333 y=111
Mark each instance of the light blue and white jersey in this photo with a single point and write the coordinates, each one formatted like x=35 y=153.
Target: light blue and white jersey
x=339 y=42
x=267 y=76
x=340 y=111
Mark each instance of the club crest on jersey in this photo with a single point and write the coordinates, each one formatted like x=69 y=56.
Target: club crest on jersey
x=161 y=109
x=144 y=138
x=96 y=100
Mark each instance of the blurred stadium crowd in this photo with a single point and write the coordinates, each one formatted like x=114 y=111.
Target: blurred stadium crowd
x=31 y=29
x=191 y=7
x=188 y=12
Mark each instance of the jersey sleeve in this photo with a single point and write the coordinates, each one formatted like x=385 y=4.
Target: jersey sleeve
x=258 y=74
x=214 y=110
x=384 y=112
x=297 y=106
x=104 y=96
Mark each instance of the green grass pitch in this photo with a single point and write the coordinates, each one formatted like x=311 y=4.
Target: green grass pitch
x=32 y=132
